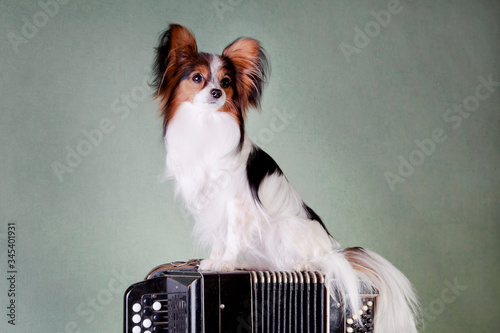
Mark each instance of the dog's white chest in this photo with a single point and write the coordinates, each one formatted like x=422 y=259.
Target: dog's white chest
x=199 y=144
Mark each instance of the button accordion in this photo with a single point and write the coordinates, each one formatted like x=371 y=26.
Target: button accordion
x=177 y=298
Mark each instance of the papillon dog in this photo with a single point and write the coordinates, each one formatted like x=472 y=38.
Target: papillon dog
x=244 y=208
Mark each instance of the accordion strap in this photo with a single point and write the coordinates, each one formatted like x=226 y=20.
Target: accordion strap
x=191 y=265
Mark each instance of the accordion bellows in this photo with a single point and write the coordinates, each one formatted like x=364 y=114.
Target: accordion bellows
x=177 y=298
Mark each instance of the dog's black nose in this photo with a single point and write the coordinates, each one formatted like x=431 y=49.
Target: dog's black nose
x=216 y=93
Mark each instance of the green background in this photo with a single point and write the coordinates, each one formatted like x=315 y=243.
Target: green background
x=355 y=104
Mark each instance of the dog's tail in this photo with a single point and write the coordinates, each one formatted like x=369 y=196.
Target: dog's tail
x=397 y=304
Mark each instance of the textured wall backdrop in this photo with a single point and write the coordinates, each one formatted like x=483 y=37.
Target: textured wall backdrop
x=383 y=114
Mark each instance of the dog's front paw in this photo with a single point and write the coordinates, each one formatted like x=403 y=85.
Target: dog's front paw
x=216 y=265
x=302 y=266
x=207 y=265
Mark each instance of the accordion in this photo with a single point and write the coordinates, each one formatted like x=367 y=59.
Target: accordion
x=177 y=298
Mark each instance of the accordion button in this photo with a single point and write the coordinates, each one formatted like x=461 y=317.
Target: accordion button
x=146 y=323
x=156 y=306
x=136 y=307
x=147 y=301
x=136 y=329
x=136 y=319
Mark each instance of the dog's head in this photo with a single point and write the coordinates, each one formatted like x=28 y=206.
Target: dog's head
x=230 y=82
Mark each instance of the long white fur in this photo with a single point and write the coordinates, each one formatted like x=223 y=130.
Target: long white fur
x=397 y=304
x=273 y=233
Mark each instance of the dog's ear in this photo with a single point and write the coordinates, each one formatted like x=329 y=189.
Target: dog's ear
x=251 y=65
x=176 y=45
x=181 y=43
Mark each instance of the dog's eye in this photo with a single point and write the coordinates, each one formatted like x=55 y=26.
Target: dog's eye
x=197 y=78
x=225 y=83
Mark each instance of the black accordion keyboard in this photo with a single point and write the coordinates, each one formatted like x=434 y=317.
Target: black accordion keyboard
x=177 y=298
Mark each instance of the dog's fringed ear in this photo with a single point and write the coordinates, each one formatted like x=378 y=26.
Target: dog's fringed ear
x=251 y=67
x=175 y=46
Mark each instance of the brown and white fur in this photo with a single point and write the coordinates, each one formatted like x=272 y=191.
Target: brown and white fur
x=245 y=209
